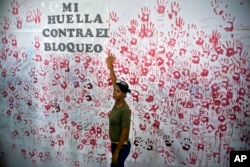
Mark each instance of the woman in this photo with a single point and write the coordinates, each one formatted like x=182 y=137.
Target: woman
x=119 y=119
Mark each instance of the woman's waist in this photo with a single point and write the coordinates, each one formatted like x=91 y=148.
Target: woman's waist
x=125 y=142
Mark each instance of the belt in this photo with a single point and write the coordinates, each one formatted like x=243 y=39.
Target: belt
x=125 y=142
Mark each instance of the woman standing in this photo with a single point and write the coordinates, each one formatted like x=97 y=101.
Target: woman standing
x=119 y=119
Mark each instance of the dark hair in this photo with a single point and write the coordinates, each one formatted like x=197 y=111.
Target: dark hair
x=123 y=86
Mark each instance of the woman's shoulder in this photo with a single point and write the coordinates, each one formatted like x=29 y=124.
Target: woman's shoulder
x=126 y=108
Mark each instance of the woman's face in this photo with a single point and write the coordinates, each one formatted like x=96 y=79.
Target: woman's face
x=118 y=94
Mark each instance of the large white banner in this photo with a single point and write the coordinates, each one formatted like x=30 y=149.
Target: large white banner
x=187 y=63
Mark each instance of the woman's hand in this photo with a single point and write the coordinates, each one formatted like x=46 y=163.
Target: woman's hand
x=115 y=158
x=110 y=60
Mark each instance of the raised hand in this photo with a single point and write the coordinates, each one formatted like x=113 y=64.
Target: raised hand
x=110 y=61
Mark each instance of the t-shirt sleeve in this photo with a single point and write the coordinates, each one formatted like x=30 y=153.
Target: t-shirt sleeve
x=125 y=118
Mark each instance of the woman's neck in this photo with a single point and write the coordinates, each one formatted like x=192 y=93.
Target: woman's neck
x=119 y=103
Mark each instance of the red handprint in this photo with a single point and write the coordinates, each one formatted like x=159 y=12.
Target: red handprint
x=183 y=48
x=133 y=25
x=205 y=70
x=147 y=62
x=93 y=142
x=206 y=48
x=19 y=23
x=195 y=56
x=7 y=23
x=133 y=41
x=4 y=41
x=192 y=158
x=124 y=49
x=162 y=49
x=32 y=153
x=12 y=87
x=13 y=40
x=173 y=37
x=64 y=83
x=37 y=57
x=4 y=73
x=161 y=6
x=215 y=37
x=199 y=146
x=24 y=153
x=144 y=87
x=152 y=49
x=159 y=61
x=41 y=156
x=29 y=16
x=142 y=32
x=186 y=69
x=152 y=78
x=108 y=46
x=187 y=103
x=229 y=48
x=245 y=136
x=52 y=128
x=214 y=57
x=230 y=20
x=201 y=36
x=77 y=163
x=144 y=71
x=218 y=48
x=175 y=8
x=169 y=158
x=239 y=46
x=150 y=97
x=242 y=90
x=37 y=16
x=136 y=153
x=147 y=30
x=60 y=140
x=135 y=94
x=122 y=30
x=134 y=80
x=15 y=134
x=146 y=117
x=221 y=118
x=48 y=156
x=150 y=29
x=217 y=6
x=37 y=42
x=143 y=127
x=172 y=91
x=179 y=24
x=145 y=14
x=15 y=5
x=77 y=57
x=111 y=43
x=114 y=17
x=239 y=124
x=192 y=27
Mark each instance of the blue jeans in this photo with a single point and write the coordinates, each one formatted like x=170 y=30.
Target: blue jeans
x=123 y=154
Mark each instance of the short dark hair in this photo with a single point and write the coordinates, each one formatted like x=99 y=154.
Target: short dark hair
x=123 y=86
